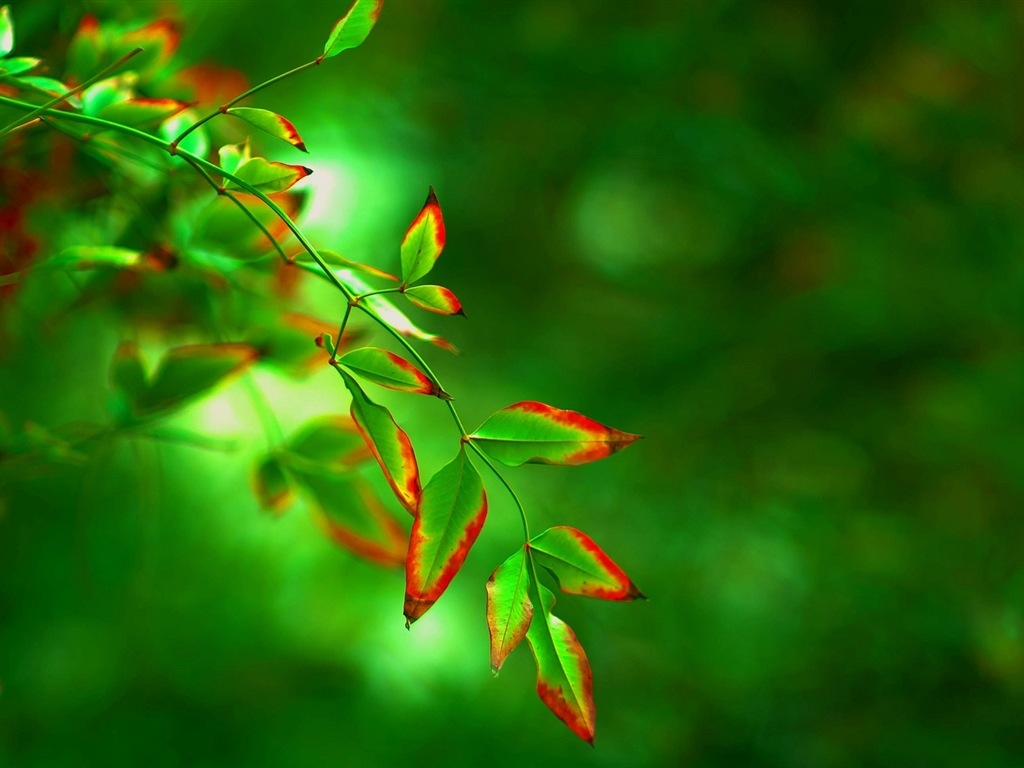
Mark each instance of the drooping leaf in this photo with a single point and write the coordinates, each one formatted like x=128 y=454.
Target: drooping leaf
x=6 y=31
x=329 y=442
x=509 y=608
x=19 y=65
x=188 y=371
x=273 y=488
x=580 y=566
x=565 y=682
x=434 y=298
x=349 y=512
x=389 y=444
x=127 y=372
x=337 y=260
x=534 y=433
x=93 y=256
x=451 y=514
x=267 y=176
x=197 y=142
x=388 y=370
x=423 y=241
x=352 y=28
x=141 y=112
x=233 y=155
x=270 y=122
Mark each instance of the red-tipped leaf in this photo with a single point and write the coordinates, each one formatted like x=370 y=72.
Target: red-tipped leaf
x=270 y=122
x=388 y=370
x=423 y=241
x=352 y=28
x=534 y=433
x=388 y=443
x=565 y=682
x=269 y=177
x=509 y=609
x=580 y=566
x=451 y=514
x=434 y=298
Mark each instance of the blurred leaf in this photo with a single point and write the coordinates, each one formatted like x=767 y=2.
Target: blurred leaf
x=141 y=112
x=127 y=372
x=269 y=177
x=337 y=260
x=451 y=514
x=423 y=241
x=273 y=489
x=389 y=444
x=18 y=66
x=388 y=370
x=271 y=123
x=93 y=256
x=108 y=91
x=564 y=679
x=434 y=298
x=580 y=566
x=6 y=31
x=329 y=442
x=188 y=371
x=533 y=433
x=353 y=28
x=233 y=155
x=197 y=142
x=509 y=609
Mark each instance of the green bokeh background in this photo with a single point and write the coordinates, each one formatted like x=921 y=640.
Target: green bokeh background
x=783 y=240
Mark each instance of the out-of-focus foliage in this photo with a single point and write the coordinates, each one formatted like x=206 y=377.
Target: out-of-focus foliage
x=783 y=240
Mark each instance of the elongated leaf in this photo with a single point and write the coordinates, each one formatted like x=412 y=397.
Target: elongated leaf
x=269 y=176
x=6 y=31
x=423 y=241
x=270 y=122
x=140 y=112
x=389 y=444
x=189 y=371
x=451 y=515
x=49 y=86
x=328 y=442
x=581 y=567
x=273 y=489
x=18 y=65
x=388 y=370
x=352 y=28
x=93 y=256
x=564 y=679
x=509 y=609
x=233 y=155
x=534 y=433
x=349 y=512
x=337 y=260
x=434 y=298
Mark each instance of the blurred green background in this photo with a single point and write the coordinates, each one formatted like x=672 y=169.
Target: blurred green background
x=783 y=240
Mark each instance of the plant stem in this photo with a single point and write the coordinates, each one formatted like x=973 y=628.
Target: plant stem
x=225 y=107
x=77 y=89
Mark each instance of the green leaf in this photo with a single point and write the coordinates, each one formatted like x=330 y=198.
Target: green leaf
x=6 y=31
x=271 y=123
x=565 y=682
x=127 y=373
x=534 y=433
x=18 y=66
x=388 y=370
x=389 y=444
x=329 y=442
x=267 y=176
x=273 y=489
x=434 y=298
x=188 y=371
x=423 y=241
x=197 y=142
x=349 y=512
x=109 y=91
x=451 y=515
x=93 y=256
x=141 y=112
x=580 y=566
x=337 y=260
x=509 y=609
x=233 y=155
x=47 y=85
x=352 y=28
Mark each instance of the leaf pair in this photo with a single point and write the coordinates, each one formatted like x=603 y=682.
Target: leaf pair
x=564 y=679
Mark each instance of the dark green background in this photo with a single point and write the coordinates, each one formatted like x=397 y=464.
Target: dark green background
x=783 y=240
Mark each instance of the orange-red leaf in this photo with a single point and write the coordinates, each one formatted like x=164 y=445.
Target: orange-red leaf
x=580 y=566
x=269 y=177
x=451 y=514
x=434 y=298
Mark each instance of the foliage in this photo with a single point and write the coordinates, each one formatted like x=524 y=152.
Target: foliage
x=126 y=106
